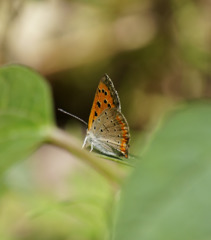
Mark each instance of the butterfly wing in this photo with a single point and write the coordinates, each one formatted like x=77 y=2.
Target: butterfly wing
x=111 y=133
x=105 y=97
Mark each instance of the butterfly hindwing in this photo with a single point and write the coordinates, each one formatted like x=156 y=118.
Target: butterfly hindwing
x=112 y=132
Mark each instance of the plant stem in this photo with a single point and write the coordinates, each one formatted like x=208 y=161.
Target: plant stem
x=66 y=141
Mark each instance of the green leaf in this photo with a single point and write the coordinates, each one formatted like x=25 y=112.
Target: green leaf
x=168 y=195
x=25 y=113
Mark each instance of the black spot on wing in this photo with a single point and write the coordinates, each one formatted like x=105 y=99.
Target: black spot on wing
x=98 y=104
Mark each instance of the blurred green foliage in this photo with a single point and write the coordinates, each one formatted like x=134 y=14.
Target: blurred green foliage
x=24 y=116
x=168 y=195
x=26 y=123
x=156 y=52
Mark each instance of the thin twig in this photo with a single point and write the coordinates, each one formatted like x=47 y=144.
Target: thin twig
x=66 y=141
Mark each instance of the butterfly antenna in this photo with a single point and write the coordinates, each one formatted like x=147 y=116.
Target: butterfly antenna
x=61 y=110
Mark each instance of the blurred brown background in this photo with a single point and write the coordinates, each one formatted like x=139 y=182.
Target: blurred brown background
x=156 y=52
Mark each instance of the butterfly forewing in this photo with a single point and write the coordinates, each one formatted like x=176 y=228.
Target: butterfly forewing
x=106 y=97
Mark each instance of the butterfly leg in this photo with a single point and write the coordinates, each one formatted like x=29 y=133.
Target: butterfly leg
x=84 y=144
x=91 y=147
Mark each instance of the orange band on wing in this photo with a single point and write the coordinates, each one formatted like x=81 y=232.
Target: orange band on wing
x=125 y=137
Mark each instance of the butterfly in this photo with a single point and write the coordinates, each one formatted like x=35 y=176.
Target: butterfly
x=108 y=130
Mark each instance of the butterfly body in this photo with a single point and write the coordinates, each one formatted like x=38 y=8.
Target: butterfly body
x=108 y=129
